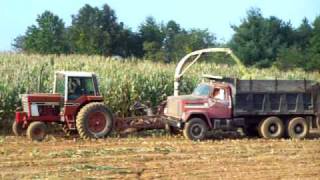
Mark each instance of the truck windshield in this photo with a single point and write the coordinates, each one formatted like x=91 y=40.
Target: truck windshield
x=202 y=90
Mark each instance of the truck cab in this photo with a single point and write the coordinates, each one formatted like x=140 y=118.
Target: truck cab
x=208 y=107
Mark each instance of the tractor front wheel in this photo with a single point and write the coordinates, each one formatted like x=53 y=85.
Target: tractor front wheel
x=94 y=120
x=37 y=131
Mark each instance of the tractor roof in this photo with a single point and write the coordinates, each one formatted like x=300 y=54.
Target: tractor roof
x=75 y=73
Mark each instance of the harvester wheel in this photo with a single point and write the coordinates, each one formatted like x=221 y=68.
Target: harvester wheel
x=94 y=120
x=17 y=129
x=195 y=129
x=271 y=128
x=37 y=131
x=297 y=128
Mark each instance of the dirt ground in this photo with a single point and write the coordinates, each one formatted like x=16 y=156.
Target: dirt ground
x=159 y=157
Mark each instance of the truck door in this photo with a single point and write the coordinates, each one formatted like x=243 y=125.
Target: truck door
x=220 y=103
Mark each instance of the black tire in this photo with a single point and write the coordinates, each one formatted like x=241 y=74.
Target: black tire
x=94 y=120
x=297 y=128
x=37 y=131
x=172 y=130
x=17 y=129
x=67 y=131
x=195 y=129
x=271 y=128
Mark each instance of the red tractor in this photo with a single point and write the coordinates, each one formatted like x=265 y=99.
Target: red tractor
x=75 y=103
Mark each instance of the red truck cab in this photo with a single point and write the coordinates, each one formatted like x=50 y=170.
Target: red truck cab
x=208 y=107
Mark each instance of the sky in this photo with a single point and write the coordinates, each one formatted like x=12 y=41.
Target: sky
x=214 y=15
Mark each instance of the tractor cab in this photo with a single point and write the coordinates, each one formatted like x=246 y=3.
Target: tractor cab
x=73 y=85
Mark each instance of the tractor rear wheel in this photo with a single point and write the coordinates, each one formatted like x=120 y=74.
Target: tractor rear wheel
x=17 y=129
x=94 y=120
x=37 y=131
x=195 y=129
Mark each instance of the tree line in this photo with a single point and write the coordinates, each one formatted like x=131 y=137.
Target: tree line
x=259 y=41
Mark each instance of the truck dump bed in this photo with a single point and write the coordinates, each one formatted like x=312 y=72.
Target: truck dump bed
x=275 y=97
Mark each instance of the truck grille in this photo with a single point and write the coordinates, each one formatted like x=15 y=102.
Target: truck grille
x=174 y=107
x=25 y=104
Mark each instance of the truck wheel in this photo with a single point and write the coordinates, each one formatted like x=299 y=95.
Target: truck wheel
x=17 y=128
x=195 y=129
x=37 y=131
x=271 y=128
x=297 y=128
x=172 y=130
x=94 y=120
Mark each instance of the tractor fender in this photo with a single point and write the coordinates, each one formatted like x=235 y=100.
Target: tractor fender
x=84 y=104
x=197 y=113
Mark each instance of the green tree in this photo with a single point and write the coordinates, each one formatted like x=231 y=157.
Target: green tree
x=303 y=35
x=257 y=40
x=199 y=39
x=178 y=41
x=171 y=30
x=152 y=37
x=47 y=37
x=87 y=34
x=314 y=62
x=96 y=31
x=289 y=58
x=130 y=43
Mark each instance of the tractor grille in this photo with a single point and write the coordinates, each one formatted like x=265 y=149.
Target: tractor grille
x=174 y=107
x=25 y=104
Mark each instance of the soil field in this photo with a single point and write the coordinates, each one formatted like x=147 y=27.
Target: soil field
x=159 y=157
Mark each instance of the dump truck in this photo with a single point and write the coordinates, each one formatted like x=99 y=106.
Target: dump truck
x=268 y=108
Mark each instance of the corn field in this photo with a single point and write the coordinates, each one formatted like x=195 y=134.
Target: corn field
x=121 y=81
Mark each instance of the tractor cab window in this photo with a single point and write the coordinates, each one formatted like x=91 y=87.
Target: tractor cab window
x=218 y=94
x=59 y=84
x=78 y=86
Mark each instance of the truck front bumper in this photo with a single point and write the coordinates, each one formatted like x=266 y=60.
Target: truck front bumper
x=174 y=122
